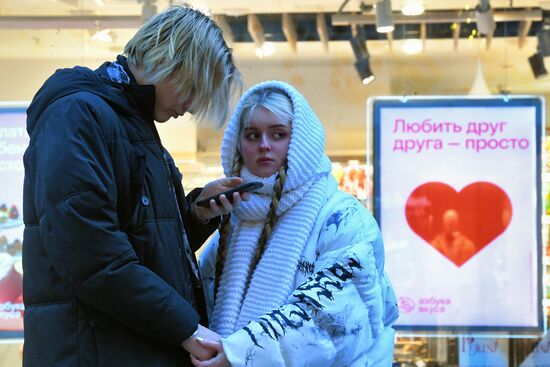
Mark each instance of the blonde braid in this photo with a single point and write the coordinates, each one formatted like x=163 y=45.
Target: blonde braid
x=269 y=222
x=225 y=229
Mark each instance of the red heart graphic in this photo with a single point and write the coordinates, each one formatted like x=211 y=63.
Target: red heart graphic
x=459 y=224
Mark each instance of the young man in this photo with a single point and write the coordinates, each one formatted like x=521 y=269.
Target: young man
x=110 y=275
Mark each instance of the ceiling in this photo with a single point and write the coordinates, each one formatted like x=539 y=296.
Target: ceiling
x=26 y=40
x=233 y=7
x=94 y=15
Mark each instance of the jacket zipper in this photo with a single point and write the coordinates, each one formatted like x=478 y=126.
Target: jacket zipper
x=182 y=241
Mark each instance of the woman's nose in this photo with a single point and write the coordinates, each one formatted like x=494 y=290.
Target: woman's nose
x=264 y=143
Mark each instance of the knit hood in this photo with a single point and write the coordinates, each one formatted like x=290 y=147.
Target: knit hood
x=306 y=151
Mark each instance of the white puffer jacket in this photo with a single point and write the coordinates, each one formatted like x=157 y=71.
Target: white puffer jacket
x=342 y=307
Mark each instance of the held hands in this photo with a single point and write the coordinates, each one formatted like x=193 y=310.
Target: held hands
x=196 y=349
x=216 y=187
x=205 y=349
x=219 y=360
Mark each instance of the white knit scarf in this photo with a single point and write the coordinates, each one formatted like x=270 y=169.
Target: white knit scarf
x=304 y=193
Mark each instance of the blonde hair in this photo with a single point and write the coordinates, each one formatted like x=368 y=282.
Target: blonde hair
x=278 y=103
x=188 y=46
x=272 y=99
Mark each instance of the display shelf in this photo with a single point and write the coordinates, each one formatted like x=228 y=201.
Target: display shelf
x=546 y=302
x=546 y=220
x=546 y=260
x=11 y=223
x=546 y=177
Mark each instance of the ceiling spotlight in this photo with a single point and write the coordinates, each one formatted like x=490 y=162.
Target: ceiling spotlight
x=384 y=18
x=537 y=65
x=544 y=38
x=362 y=57
x=412 y=8
x=484 y=18
x=364 y=71
x=359 y=45
x=544 y=42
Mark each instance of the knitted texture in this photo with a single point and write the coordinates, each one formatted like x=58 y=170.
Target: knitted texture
x=304 y=193
x=306 y=153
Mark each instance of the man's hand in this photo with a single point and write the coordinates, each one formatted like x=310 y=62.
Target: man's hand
x=220 y=360
x=193 y=345
x=213 y=188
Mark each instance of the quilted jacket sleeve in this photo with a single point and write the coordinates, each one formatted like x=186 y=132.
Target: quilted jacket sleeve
x=342 y=314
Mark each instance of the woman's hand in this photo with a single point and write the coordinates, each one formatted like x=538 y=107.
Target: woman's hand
x=213 y=188
x=194 y=347
x=220 y=360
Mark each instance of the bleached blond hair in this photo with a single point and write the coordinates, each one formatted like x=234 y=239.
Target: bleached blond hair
x=187 y=45
x=273 y=100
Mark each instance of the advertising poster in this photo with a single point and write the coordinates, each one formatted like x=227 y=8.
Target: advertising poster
x=13 y=142
x=457 y=196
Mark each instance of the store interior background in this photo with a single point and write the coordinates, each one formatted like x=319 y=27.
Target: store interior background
x=29 y=53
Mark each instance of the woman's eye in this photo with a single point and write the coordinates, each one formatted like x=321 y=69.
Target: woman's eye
x=280 y=135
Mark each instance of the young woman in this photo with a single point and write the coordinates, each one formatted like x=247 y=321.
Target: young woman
x=295 y=277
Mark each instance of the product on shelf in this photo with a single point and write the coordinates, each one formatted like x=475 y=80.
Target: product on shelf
x=13 y=213
x=352 y=178
x=7 y=214
x=13 y=248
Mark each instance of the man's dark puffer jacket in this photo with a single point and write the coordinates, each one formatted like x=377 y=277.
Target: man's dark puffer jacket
x=106 y=277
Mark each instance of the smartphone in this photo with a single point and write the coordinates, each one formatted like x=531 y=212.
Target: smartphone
x=250 y=186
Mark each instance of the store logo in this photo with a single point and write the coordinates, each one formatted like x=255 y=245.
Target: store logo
x=406 y=305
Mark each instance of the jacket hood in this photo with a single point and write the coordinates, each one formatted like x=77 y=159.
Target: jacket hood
x=123 y=98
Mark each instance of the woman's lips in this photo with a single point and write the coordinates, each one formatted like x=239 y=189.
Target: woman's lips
x=264 y=160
